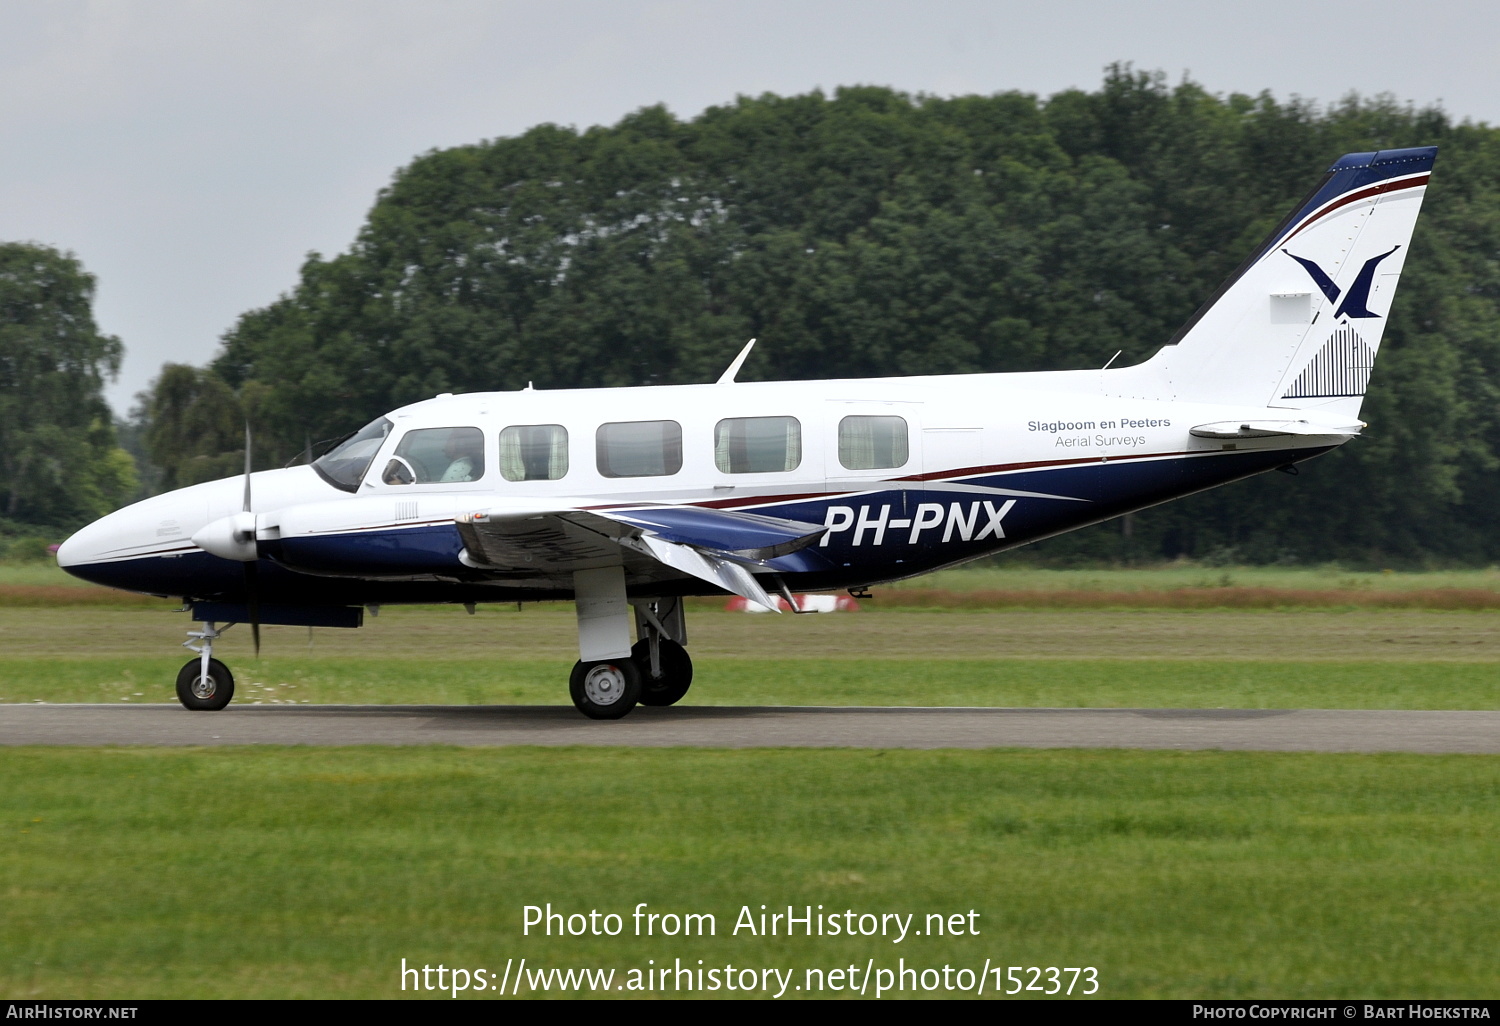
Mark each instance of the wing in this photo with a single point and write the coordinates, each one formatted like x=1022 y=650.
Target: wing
x=655 y=544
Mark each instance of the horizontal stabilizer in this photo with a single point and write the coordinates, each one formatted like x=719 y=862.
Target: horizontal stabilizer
x=1274 y=428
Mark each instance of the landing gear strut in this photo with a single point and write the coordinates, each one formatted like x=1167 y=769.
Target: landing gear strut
x=204 y=683
x=666 y=668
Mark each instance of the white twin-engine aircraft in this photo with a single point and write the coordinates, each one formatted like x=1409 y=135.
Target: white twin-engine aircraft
x=625 y=500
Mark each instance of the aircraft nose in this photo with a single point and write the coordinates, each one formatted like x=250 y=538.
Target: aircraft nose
x=84 y=547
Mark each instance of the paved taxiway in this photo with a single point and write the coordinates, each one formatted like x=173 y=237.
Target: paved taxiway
x=1324 y=730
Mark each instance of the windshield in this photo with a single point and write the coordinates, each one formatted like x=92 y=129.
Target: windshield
x=344 y=466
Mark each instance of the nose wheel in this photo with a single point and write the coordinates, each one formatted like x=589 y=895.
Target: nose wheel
x=205 y=689
x=204 y=683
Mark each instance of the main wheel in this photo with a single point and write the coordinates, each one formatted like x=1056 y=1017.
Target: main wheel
x=607 y=689
x=676 y=676
x=196 y=691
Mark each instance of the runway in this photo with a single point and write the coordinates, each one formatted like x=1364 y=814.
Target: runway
x=1320 y=730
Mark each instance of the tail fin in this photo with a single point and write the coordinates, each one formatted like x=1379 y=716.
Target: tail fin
x=1299 y=324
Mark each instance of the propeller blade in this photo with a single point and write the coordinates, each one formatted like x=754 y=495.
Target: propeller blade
x=252 y=600
x=252 y=576
x=247 y=466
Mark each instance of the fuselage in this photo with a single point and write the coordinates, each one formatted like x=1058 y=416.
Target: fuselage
x=906 y=475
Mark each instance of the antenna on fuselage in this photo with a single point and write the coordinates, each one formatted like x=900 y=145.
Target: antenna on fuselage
x=727 y=378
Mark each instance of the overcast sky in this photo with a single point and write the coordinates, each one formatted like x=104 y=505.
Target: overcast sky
x=192 y=153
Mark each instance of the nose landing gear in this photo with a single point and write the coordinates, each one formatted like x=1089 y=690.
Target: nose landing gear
x=204 y=683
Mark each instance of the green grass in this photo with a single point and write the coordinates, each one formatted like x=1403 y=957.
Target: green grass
x=274 y=872
x=1171 y=585
x=1186 y=574
x=1182 y=574
x=41 y=573
x=1367 y=659
x=1045 y=683
x=135 y=873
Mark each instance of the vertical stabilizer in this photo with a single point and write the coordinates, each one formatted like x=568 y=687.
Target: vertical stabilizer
x=1299 y=324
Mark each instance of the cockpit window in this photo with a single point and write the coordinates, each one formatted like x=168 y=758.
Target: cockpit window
x=344 y=466
x=448 y=455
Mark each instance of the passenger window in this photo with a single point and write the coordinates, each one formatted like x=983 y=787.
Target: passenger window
x=642 y=448
x=757 y=445
x=437 y=456
x=872 y=443
x=534 y=452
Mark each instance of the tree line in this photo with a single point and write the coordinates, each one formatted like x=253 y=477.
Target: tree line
x=60 y=461
x=872 y=232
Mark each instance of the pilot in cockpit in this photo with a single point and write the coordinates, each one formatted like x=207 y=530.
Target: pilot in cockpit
x=464 y=455
x=441 y=455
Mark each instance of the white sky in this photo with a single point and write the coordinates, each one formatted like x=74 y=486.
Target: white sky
x=191 y=152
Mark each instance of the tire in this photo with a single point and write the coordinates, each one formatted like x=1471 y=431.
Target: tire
x=213 y=694
x=606 y=689
x=676 y=672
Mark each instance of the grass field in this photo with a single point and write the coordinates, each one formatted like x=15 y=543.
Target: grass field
x=311 y=872
x=1168 y=576
x=295 y=873
x=1174 y=585
x=1360 y=659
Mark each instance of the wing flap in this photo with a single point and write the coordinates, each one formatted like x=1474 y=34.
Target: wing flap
x=732 y=577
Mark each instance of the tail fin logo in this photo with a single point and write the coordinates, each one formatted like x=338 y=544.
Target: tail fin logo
x=1356 y=300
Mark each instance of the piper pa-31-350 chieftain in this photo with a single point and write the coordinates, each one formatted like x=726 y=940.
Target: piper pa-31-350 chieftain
x=625 y=500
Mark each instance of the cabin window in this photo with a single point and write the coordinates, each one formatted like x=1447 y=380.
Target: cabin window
x=447 y=455
x=534 y=452
x=757 y=445
x=345 y=464
x=872 y=443
x=641 y=448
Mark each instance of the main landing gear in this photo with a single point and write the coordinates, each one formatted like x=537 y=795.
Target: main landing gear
x=612 y=676
x=657 y=672
x=204 y=683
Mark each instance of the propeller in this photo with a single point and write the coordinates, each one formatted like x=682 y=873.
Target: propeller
x=233 y=537
x=252 y=581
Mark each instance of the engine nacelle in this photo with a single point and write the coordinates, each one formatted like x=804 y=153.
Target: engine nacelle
x=231 y=537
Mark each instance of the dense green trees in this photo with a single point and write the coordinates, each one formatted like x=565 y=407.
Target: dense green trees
x=872 y=232
x=59 y=464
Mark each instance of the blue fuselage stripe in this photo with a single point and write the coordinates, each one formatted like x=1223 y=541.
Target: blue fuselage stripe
x=876 y=535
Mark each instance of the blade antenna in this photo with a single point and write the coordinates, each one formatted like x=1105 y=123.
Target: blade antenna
x=727 y=378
